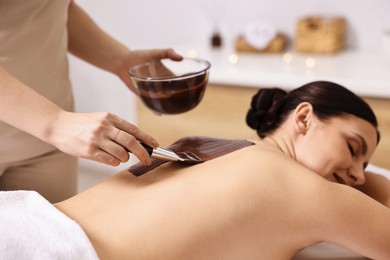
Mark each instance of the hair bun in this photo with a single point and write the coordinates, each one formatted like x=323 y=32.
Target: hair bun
x=263 y=114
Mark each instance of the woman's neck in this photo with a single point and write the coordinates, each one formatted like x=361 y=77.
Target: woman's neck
x=282 y=144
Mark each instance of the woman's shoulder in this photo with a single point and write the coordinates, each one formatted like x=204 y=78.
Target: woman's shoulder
x=264 y=156
x=271 y=170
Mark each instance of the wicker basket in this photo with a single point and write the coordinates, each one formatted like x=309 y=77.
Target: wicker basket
x=315 y=34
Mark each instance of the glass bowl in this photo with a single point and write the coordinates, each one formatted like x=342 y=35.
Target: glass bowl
x=171 y=87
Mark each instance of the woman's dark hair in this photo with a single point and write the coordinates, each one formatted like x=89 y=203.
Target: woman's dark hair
x=270 y=106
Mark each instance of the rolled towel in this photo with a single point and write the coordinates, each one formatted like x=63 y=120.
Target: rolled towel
x=32 y=228
x=378 y=170
x=259 y=34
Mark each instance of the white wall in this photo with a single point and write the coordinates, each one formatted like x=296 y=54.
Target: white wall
x=169 y=23
x=151 y=23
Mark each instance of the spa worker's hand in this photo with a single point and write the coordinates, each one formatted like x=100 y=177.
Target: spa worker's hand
x=88 y=42
x=141 y=56
x=101 y=136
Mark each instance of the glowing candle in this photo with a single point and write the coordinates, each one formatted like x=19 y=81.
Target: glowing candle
x=287 y=57
x=310 y=63
x=233 y=58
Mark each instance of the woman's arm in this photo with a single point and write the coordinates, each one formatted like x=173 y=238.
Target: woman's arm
x=24 y=108
x=353 y=220
x=338 y=213
x=102 y=137
x=90 y=43
x=377 y=187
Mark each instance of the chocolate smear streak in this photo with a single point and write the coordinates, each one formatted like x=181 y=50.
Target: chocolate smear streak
x=198 y=148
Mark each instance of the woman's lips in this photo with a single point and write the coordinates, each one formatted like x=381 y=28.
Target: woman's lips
x=339 y=179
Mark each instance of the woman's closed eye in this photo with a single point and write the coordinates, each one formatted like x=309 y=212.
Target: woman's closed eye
x=351 y=149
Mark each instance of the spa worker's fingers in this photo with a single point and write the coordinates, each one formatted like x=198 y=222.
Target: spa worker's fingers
x=141 y=56
x=102 y=137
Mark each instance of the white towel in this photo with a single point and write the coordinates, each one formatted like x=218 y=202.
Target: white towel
x=32 y=228
x=259 y=34
x=378 y=170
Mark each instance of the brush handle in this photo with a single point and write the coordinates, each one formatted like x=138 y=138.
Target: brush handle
x=147 y=148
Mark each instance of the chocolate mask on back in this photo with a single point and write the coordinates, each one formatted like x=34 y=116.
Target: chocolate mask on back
x=199 y=147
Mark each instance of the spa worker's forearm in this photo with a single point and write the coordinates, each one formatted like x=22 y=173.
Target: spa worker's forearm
x=99 y=136
x=24 y=108
x=90 y=43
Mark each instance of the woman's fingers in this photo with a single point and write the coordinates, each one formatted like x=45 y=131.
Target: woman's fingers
x=171 y=54
x=134 y=132
x=101 y=137
x=113 y=149
x=158 y=54
x=123 y=142
x=123 y=137
x=141 y=56
x=104 y=157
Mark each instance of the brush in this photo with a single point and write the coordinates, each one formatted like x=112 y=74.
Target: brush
x=162 y=153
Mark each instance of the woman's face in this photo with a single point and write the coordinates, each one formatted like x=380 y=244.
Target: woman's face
x=338 y=149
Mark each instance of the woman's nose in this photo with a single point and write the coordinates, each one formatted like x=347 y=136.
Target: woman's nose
x=357 y=176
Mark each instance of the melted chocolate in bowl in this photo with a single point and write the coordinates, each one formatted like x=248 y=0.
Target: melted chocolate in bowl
x=173 y=96
x=171 y=87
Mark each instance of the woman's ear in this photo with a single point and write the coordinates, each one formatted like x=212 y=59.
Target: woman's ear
x=303 y=116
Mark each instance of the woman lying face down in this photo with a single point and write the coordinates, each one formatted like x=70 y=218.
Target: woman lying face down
x=264 y=199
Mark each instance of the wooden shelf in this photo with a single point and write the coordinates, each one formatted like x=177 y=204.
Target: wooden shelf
x=366 y=74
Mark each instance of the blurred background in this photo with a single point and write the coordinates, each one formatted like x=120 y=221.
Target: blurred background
x=177 y=23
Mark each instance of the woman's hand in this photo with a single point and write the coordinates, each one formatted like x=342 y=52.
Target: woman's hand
x=141 y=56
x=102 y=137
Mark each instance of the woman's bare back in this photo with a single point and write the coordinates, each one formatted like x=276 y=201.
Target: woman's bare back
x=254 y=203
